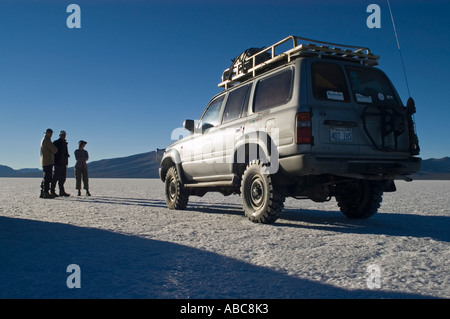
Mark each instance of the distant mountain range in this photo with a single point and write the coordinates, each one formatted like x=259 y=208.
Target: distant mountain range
x=434 y=168
x=145 y=165
x=136 y=166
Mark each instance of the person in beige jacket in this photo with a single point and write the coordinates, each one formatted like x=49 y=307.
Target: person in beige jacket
x=48 y=151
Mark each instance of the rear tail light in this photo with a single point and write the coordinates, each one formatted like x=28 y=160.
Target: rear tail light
x=304 y=135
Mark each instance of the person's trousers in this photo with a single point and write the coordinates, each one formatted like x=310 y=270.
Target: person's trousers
x=48 y=177
x=81 y=173
x=59 y=176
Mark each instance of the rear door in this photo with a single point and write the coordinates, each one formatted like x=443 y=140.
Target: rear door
x=356 y=112
x=335 y=121
x=383 y=122
x=232 y=129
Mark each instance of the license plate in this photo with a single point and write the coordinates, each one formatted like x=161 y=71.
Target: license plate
x=341 y=134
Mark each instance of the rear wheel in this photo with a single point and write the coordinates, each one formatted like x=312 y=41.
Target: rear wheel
x=176 y=195
x=359 y=199
x=261 y=202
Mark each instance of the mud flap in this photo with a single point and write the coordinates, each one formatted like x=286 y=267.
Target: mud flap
x=389 y=186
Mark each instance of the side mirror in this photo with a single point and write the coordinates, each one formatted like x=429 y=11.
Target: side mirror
x=206 y=126
x=189 y=125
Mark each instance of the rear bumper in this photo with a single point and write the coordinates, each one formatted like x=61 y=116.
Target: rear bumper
x=299 y=165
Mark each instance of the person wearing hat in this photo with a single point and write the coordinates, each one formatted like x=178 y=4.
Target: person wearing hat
x=48 y=150
x=61 y=162
x=81 y=170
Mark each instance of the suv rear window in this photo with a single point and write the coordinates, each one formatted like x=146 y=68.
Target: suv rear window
x=328 y=82
x=370 y=86
x=273 y=91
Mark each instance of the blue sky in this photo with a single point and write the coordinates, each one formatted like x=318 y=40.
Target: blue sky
x=135 y=70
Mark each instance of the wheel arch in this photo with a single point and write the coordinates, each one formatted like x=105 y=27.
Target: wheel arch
x=258 y=145
x=171 y=158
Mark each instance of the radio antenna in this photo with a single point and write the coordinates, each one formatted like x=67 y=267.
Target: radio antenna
x=399 y=50
x=410 y=100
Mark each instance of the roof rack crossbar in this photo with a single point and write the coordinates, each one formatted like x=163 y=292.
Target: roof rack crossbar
x=299 y=48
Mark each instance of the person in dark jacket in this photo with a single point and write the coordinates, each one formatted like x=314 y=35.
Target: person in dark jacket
x=81 y=169
x=61 y=162
x=48 y=151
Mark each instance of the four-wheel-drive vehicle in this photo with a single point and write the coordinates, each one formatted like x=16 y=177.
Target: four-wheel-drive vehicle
x=315 y=121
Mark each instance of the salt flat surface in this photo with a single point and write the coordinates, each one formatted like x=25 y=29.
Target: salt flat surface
x=129 y=245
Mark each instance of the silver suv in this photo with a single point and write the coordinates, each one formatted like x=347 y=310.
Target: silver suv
x=314 y=121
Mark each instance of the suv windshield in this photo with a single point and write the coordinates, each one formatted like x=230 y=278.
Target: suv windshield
x=371 y=86
x=211 y=115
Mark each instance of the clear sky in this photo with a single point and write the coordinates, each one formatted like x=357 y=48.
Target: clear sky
x=135 y=70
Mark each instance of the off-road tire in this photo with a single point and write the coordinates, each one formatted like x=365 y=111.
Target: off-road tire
x=176 y=195
x=360 y=199
x=260 y=201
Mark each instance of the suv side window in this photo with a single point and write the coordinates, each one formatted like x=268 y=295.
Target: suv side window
x=237 y=99
x=211 y=115
x=273 y=90
x=328 y=82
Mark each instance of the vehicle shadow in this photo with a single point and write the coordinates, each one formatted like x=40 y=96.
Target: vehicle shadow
x=393 y=224
x=35 y=256
x=216 y=208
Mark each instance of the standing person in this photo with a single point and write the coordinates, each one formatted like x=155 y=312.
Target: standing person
x=48 y=150
x=61 y=162
x=81 y=170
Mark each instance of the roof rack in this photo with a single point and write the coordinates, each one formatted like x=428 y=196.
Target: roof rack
x=242 y=70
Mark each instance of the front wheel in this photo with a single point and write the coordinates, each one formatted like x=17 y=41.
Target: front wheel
x=176 y=195
x=360 y=199
x=261 y=202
